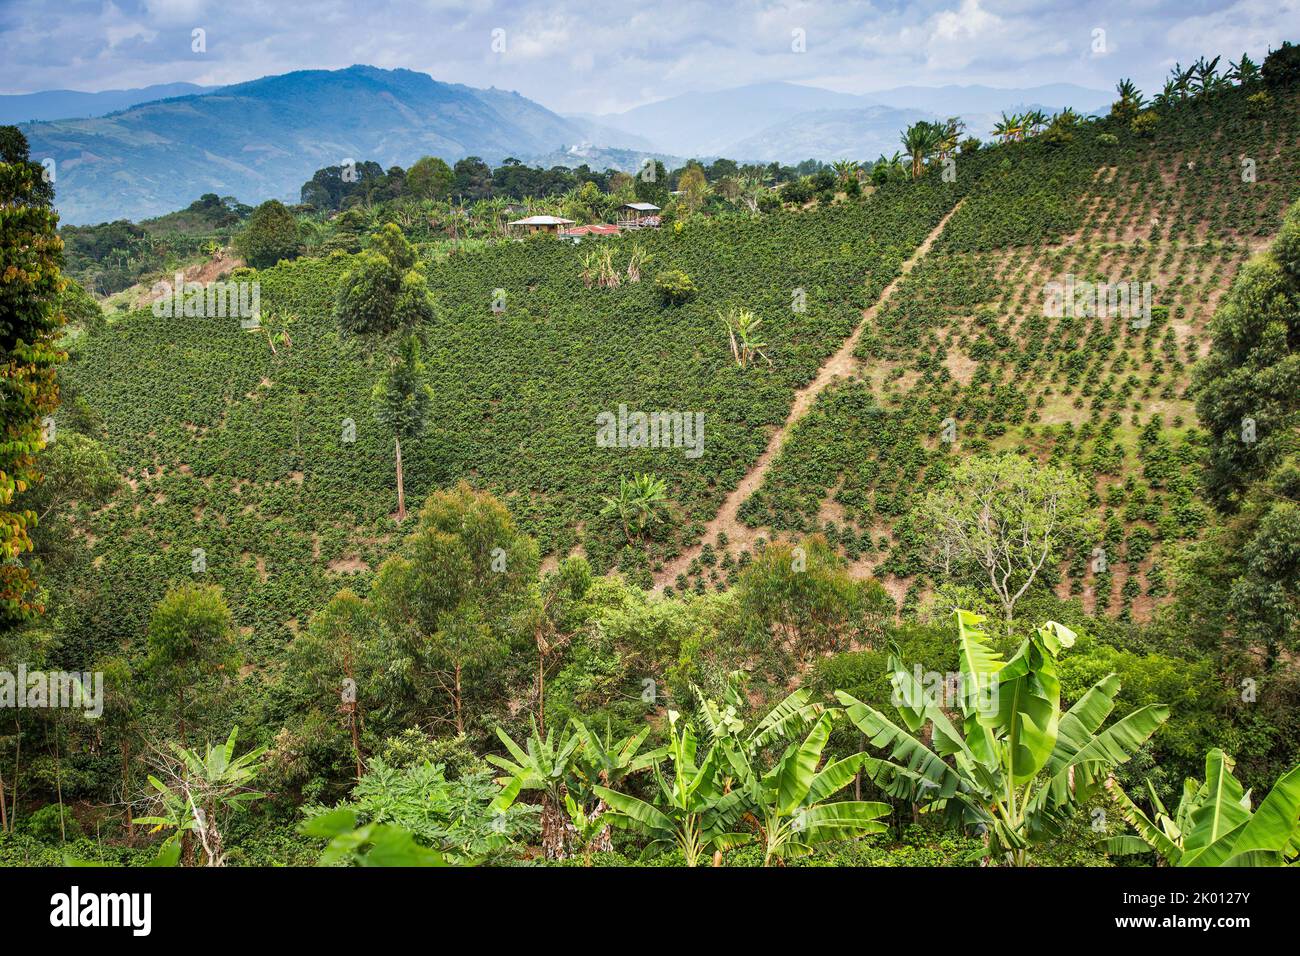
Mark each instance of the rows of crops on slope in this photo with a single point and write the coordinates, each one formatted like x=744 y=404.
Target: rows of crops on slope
x=968 y=343
x=240 y=463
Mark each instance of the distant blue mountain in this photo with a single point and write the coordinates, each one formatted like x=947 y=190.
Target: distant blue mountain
x=264 y=138
x=72 y=104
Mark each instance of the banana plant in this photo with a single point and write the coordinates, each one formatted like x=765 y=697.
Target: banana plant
x=694 y=812
x=604 y=761
x=1214 y=824
x=792 y=800
x=1016 y=767
x=541 y=764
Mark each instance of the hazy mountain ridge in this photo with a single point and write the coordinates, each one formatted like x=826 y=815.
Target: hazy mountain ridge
x=74 y=104
x=264 y=138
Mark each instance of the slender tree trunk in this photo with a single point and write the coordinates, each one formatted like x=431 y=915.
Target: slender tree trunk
x=401 y=490
x=126 y=790
x=4 y=813
x=460 y=723
x=18 y=753
x=541 y=691
x=58 y=784
x=555 y=824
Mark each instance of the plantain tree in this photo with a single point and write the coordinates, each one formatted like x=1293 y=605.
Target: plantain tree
x=694 y=812
x=791 y=800
x=544 y=764
x=1014 y=766
x=607 y=762
x=1214 y=824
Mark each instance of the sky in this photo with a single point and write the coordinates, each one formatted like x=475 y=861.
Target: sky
x=578 y=56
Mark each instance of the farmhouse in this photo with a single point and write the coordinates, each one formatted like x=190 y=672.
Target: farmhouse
x=638 y=215
x=533 y=224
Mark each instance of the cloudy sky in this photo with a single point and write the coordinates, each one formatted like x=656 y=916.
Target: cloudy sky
x=573 y=55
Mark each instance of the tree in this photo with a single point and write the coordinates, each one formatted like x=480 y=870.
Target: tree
x=402 y=398
x=641 y=502
x=921 y=141
x=1246 y=390
x=545 y=764
x=1004 y=518
x=452 y=599
x=190 y=637
x=607 y=762
x=1015 y=768
x=338 y=656
x=693 y=188
x=383 y=292
x=1214 y=824
x=790 y=800
x=1282 y=66
x=429 y=178
x=805 y=599
x=694 y=812
x=195 y=791
x=270 y=235
x=742 y=332
x=675 y=287
x=31 y=257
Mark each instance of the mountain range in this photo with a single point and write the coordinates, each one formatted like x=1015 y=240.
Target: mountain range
x=72 y=104
x=264 y=138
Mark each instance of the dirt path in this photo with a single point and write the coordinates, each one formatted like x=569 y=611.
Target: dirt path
x=840 y=365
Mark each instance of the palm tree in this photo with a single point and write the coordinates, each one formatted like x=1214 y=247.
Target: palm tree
x=1205 y=76
x=544 y=764
x=1006 y=127
x=1035 y=120
x=845 y=169
x=1129 y=93
x=921 y=141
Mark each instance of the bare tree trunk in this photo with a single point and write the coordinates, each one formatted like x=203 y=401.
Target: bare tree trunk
x=4 y=813
x=460 y=723
x=126 y=790
x=18 y=753
x=401 y=490
x=541 y=690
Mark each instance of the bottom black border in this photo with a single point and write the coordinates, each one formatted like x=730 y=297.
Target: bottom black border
x=303 y=905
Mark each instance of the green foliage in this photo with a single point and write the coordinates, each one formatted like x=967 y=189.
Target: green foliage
x=383 y=293
x=1214 y=824
x=269 y=236
x=1012 y=730
x=429 y=178
x=190 y=641
x=374 y=844
x=455 y=817
x=30 y=317
x=675 y=287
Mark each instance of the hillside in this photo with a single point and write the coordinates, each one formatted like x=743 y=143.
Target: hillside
x=263 y=139
x=388 y=534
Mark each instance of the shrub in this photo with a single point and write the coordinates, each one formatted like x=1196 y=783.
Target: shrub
x=1144 y=124
x=675 y=287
